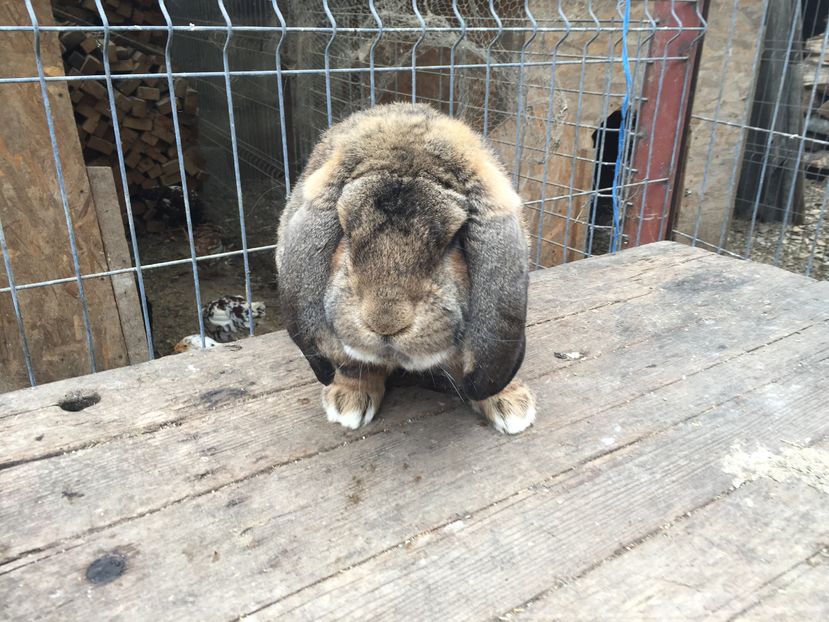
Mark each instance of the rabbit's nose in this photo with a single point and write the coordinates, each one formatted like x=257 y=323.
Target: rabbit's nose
x=387 y=318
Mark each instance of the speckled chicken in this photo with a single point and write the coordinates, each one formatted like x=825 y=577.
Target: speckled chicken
x=193 y=342
x=228 y=318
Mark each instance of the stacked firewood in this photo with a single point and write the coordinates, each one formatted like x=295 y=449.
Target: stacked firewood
x=118 y=12
x=143 y=107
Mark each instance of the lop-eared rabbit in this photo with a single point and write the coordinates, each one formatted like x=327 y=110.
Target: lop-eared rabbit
x=402 y=247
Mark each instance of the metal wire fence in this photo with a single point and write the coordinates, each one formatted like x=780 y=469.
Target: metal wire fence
x=618 y=126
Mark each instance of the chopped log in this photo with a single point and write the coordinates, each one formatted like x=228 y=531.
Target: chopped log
x=91 y=123
x=72 y=39
x=154 y=172
x=171 y=179
x=145 y=165
x=76 y=60
x=100 y=145
x=149 y=93
x=164 y=106
x=128 y=86
x=89 y=44
x=171 y=167
x=132 y=158
x=136 y=123
x=94 y=88
x=139 y=106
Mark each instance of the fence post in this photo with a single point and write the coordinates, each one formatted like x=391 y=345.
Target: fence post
x=668 y=94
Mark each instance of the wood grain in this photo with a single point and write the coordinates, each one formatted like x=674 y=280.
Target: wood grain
x=117 y=252
x=166 y=399
x=720 y=561
x=183 y=474
x=35 y=226
x=475 y=566
x=247 y=502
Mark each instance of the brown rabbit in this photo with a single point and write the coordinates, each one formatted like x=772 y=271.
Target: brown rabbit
x=402 y=247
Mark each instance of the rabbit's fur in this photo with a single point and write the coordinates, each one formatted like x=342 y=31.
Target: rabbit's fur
x=402 y=246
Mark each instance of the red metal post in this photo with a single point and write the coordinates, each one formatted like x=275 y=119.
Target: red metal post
x=668 y=93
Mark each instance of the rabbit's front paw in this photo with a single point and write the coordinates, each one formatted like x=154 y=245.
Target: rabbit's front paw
x=353 y=402
x=512 y=410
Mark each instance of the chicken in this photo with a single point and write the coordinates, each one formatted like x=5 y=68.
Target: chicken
x=193 y=342
x=228 y=318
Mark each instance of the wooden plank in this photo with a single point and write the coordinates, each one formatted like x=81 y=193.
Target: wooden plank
x=486 y=564
x=269 y=543
x=108 y=208
x=168 y=401
x=35 y=226
x=747 y=540
x=545 y=339
x=800 y=594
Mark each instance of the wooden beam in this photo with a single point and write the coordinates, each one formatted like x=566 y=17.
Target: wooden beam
x=118 y=257
x=657 y=151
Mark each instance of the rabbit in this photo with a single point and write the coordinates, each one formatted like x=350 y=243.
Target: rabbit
x=402 y=247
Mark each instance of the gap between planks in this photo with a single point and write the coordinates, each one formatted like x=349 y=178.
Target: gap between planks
x=638 y=568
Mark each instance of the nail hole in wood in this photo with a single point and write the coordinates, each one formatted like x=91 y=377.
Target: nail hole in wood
x=106 y=568
x=78 y=400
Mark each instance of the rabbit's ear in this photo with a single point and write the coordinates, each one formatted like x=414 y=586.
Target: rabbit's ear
x=496 y=251
x=309 y=240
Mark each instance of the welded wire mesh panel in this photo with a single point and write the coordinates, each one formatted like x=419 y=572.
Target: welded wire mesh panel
x=755 y=173
x=619 y=122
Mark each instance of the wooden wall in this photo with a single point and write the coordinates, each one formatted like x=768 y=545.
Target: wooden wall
x=35 y=227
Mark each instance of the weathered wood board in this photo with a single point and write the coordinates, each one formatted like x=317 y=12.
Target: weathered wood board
x=117 y=252
x=35 y=226
x=725 y=88
x=224 y=493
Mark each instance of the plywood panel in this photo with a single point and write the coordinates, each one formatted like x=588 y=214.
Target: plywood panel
x=725 y=85
x=34 y=223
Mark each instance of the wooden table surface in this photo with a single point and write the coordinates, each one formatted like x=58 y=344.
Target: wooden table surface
x=678 y=470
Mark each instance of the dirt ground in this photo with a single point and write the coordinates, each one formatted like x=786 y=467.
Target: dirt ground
x=798 y=240
x=172 y=293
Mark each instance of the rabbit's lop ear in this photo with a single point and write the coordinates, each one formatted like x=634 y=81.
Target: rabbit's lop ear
x=496 y=251
x=309 y=239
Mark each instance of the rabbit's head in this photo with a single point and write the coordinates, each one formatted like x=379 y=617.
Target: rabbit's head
x=402 y=246
x=399 y=280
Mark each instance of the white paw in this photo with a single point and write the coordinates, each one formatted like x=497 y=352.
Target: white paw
x=351 y=409
x=511 y=411
x=514 y=422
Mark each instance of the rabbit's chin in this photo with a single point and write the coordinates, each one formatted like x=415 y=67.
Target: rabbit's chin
x=393 y=358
